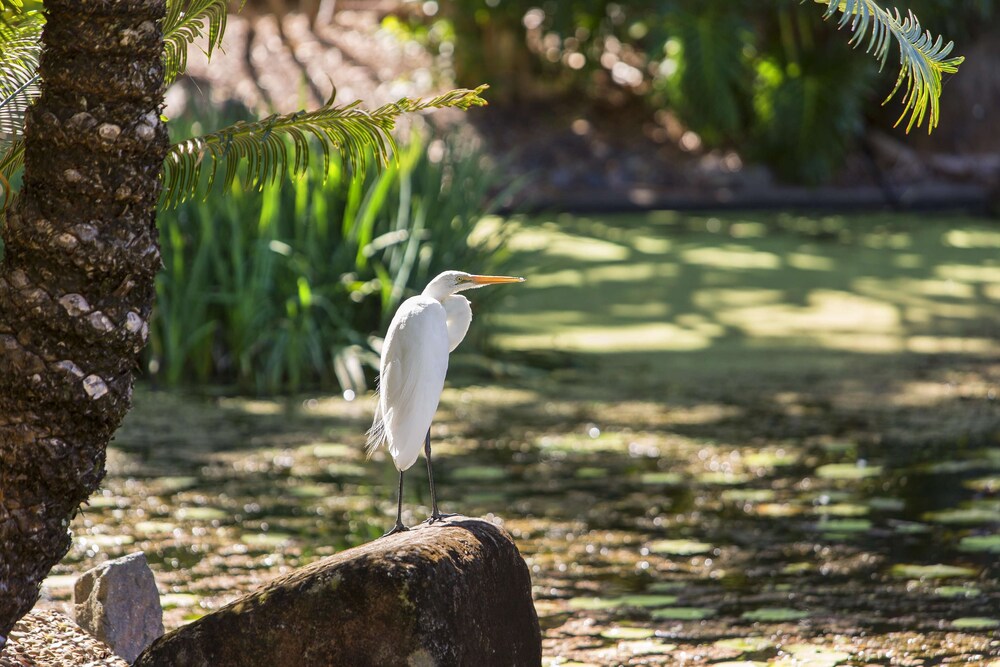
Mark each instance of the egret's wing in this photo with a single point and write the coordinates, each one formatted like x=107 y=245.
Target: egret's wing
x=414 y=364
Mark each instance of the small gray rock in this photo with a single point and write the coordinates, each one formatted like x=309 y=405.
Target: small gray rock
x=118 y=603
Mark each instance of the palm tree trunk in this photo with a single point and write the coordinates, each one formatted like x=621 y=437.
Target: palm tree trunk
x=76 y=282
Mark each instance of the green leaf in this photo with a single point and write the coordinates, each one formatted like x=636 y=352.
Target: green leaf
x=187 y=21
x=20 y=47
x=922 y=58
x=262 y=146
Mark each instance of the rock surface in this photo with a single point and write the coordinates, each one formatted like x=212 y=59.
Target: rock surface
x=118 y=603
x=453 y=593
x=46 y=638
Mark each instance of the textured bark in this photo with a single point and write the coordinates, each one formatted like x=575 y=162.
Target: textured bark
x=454 y=593
x=76 y=283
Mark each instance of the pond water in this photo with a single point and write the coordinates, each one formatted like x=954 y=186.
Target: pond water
x=770 y=469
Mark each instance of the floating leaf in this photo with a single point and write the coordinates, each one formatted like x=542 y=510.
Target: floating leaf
x=201 y=514
x=847 y=471
x=155 y=527
x=594 y=604
x=333 y=450
x=662 y=478
x=844 y=525
x=967 y=515
x=810 y=655
x=479 y=473
x=774 y=615
x=745 y=644
x=648 y=600
x=975 y=623
x=265 y=540
x=957 y=591
x=627 y=632
x=646 y=647
x=683 y=613
x=980 y=543
x=680 y=547
x=938 y=571
x=747 y=495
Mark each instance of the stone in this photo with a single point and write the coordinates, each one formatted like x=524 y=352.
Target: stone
x=455 y=592
x=119 y=604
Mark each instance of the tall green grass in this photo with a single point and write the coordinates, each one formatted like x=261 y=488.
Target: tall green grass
x=288 y=288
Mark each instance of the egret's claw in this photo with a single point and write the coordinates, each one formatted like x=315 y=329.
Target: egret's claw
x=434 y=518
x=398 y=528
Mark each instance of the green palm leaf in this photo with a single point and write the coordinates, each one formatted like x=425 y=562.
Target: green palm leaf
x=262 y=144
x=922 y=58
x=187 y=21
x=20 y=46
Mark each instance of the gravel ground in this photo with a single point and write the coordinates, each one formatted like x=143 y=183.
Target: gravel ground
x=50 y=639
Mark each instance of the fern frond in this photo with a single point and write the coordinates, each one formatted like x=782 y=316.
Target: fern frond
x=20 y=47
x=922 y=58
x=355 y=132
x=187 y=21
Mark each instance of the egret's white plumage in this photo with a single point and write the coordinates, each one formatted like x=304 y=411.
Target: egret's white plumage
x=424 y=330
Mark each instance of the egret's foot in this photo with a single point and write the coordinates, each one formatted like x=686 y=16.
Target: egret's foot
x=398 y=528
x=440 y=516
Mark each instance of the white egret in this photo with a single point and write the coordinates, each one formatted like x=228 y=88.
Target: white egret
x=422 y=334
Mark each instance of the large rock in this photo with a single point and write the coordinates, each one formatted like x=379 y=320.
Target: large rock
x=453 y=593
x=118 y=603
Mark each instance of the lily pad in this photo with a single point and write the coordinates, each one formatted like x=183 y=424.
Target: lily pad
x=683 y=613
x=745 y=644
x=885 y=504
x=844 y=526
x=646 y=647
x=201 y=514
x=479 y=473
x=662 y=478
x=841 y=509
x=106 y=540
x=333 y=450
x=154 y=527
x=648 y=600
x=989 y=484
x=980 y=543
x=957 y=591
x=265 y=540
x=594 y=603
x=975 y=623
x=774 y=615
x=849 y=471
x=747 y=495
x=966 y=515
x=910 y=527
x=680 y=547
x=938 y=571
x=344 y=470
x=723 y=478
x=627 y=632
x=810 y=655
x=311 y=491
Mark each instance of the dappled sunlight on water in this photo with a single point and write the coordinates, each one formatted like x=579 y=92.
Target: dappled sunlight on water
x=739 y=464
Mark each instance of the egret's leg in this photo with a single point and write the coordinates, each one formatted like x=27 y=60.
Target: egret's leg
x=399 y=527
x=436 y=515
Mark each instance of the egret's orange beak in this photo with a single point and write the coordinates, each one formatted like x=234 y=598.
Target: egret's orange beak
x=494 y=280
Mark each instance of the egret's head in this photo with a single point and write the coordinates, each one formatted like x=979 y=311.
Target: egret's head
x=450 y=282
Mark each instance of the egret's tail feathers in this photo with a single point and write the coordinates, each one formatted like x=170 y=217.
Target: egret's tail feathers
x=376 y=434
